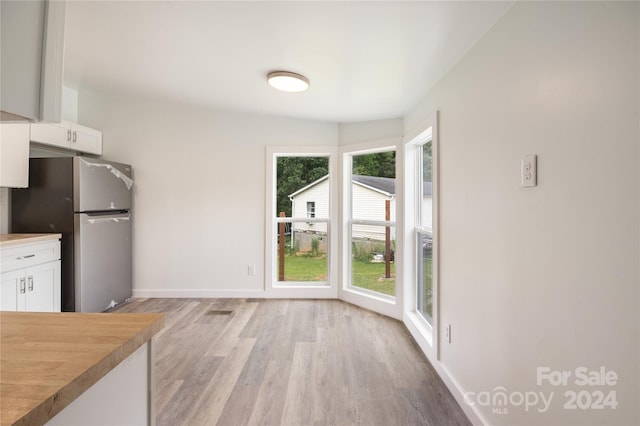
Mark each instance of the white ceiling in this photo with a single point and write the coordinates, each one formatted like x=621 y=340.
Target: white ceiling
x=366 y=60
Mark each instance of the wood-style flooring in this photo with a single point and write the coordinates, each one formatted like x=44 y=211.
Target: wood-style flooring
x=290 y=362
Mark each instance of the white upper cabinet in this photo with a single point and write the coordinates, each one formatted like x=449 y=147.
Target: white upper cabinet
x=85 y=139
x=32 y=44
x=14 y=155
x=68 y=136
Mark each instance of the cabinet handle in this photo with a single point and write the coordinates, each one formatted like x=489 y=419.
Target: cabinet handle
x=69 y=135
x=25 y=257
x=30 y=280
x=22 y=286
x=75 y=136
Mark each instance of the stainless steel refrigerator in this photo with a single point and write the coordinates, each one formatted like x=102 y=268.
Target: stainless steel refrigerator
x=88 y=201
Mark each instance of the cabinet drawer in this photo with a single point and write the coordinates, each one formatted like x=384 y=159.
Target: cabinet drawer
x=26 y=255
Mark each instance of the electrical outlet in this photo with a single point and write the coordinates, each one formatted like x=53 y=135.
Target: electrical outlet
x=251 y=270
x=529 y=171
x=447 y=333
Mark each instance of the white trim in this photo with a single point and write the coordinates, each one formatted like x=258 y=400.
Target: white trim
x=419 y=130
x=430 y=334
x=295 y=292
x=301 y=220
x=196 y=293
x=386 y=305
x=272 y=288
x=375 y=303
x=474 y=415
x=373 y=222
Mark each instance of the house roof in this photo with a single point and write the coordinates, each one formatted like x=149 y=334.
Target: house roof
x=380 y=184
x=386 y=185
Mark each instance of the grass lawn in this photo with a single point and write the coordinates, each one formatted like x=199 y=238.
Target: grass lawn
x=371 y=276
x=425 y=305
x=365 y=274
x=303 y=268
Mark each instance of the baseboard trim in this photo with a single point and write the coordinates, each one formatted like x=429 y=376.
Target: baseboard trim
x=198 y=294
x=277 y=293
x=454 y=387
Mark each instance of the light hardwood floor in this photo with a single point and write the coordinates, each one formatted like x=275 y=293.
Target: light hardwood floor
x=290 y=362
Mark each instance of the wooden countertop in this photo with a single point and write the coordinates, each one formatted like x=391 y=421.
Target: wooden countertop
x=14 y=239
x=48 y=359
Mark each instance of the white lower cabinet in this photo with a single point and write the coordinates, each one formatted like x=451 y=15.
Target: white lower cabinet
x=34 y=287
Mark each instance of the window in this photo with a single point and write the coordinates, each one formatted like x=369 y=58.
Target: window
x=372 y=224
x=302 y=244
x=424 y=230
x=421 y=238
x=311 y=209
x=300 y=251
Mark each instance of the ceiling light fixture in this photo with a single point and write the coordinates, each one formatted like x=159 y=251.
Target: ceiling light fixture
x=287 y=81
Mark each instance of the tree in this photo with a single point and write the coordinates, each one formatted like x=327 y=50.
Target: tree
x=294 y=173
x=379 y=164
x=427 y=162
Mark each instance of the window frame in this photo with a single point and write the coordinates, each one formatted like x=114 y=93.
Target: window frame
x=420 y=228
x=426 y=335
x=297 y=289
x=374 y=301
x=311 y=209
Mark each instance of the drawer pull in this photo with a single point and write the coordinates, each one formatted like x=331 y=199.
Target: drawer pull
x=25 y=257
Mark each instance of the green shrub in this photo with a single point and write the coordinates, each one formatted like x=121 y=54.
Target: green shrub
x=315 y=247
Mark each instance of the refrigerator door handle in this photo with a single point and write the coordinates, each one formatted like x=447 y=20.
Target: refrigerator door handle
x=109 y=219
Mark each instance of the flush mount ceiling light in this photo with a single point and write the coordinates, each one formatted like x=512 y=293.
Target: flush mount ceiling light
x=288 y=81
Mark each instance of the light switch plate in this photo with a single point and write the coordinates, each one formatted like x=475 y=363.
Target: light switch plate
x=529 y=171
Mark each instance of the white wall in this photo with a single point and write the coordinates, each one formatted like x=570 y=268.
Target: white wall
x=366 y=131
x=199 y=192
x=545 y=276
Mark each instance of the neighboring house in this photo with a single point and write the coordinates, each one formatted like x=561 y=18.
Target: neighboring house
x=369 y=194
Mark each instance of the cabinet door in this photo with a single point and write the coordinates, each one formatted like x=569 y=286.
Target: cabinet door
x=22 y=35
x=14 y=155
x=10 y=292
x=86 y=139
x=51 y=134
x=43 y=288
x=31 y=65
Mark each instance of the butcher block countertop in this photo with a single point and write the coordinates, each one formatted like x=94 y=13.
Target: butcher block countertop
x=13 y=239
x=48 y=359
